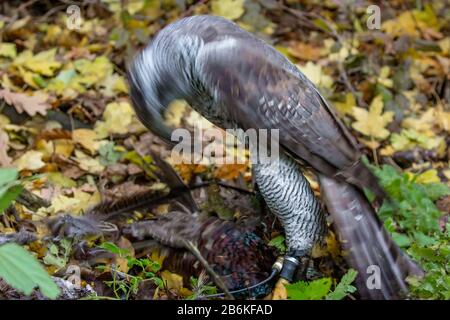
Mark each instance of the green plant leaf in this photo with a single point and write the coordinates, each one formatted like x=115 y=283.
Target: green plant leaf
x=9 y=196
x=314 y=290
x=344 y=287
x=8 y=175
x=113 y=248
x=24 y=273
x=279 y=243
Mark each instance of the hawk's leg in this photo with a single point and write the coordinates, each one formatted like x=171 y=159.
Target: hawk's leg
x=290 y=197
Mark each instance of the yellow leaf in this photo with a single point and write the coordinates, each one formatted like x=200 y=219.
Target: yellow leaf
x=175 y=112
x=429 y=176
x=62 y=203
x=280 y=292
x=172 y=280
x=345 y=49
x=86 y=200
x=383 y=78
x=346 y=107
x=412 y=23
x=447 y=173
x=315 y=73
x=87 y=138
x=62 y=147
x=118 y=117
x=372 y=123
x=230 y=9
x=425 y=122
x=113 y=84
x=92 y=72
x=8 y=84
x=443 y=119
x=43 y=63
x=134 y=6
x=8 y=50
x=28 y=77
x=410 y=138
x=87 y=163
x=5 y=160
x=445 y=45
x=30 y=160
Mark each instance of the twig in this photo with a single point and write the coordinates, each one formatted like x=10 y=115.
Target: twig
x=214 y=276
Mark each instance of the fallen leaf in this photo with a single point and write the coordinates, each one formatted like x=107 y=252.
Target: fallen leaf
x=8 y=50
x=372 y=122
x=230 y=9
x=43 y=63
x=5 y=160
x=314 y=72
x=86 y=138
x=304 y=51
x=91 y=165
x=383 y=78
x=346 y=107
x=429 y=176
x=30 y=160
x=175 y=112
x=22 y=102
x=172 y=280
x=118 y=116
x=280 y=292
x=411 y=23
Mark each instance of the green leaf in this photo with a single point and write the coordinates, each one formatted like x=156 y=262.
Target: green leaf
x=278 y=242
x=314 y=290
x=111 y=247
x=344 y=287
x=108 y=155
x=401 y=240
x=10 y=195
x=7 y=177
x=23 y=272
x=436 y=190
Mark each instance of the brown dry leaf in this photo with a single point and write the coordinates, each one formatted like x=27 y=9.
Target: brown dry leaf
x=186 y=170
x=122 y=262
x=22 y=102
x=229 y=171
x=304 y=51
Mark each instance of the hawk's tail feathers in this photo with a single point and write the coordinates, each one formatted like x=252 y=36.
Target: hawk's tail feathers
x=382 y=266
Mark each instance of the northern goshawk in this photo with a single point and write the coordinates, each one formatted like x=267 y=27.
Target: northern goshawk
x=236 y=80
